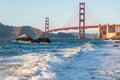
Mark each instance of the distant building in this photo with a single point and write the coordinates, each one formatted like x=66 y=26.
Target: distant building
x=107 y=31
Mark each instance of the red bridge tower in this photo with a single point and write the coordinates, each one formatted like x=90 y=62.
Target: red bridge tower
x=81 y=31
x=46 y=26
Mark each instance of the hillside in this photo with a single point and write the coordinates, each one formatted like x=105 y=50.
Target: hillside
x=28 y=30
x=13 y=31
x=72 y=35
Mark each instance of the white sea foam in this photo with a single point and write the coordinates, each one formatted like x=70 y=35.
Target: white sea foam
x=32 y=67
x=87 y=47
x=69 y=52
x=21 y=41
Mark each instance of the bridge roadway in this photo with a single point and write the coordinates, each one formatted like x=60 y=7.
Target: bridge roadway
x=76 y=27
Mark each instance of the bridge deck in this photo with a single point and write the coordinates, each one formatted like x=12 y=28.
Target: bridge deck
x=76 y=27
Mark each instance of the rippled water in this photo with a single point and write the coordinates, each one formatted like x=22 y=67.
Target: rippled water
x=63 y=59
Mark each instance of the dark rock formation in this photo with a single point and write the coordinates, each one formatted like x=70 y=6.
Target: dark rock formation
x=28 y=39
x=117 y=42
x=39 y=40
x=115 y=45
x=44 y=40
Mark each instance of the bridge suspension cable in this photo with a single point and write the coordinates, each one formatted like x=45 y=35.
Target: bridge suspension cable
x=116 y=19
x=52 y=25
x=92 y=17
x=72 y=18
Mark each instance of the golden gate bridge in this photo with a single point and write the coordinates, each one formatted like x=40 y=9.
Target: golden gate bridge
x=81 y=27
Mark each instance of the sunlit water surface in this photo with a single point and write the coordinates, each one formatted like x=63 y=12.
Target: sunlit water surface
x=63 y=59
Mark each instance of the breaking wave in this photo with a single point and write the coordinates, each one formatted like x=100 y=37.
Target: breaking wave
x=34 y=67
x=72 y=60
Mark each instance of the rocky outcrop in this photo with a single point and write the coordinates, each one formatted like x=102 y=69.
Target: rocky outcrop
x=117 y=42
x=23 y=38
x=28 y=39
x=41 y=40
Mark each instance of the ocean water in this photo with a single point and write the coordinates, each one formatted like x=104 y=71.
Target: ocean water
x=63 y=59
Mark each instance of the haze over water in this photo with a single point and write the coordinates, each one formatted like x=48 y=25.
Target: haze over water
x=62 y=59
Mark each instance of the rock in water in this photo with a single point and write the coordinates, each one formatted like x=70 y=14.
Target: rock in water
x=23 y=38
x=28 y=39
x=44 y=40
x=116 y=46
x=117 y=41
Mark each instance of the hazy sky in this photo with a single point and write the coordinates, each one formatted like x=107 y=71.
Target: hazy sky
x=33 y=12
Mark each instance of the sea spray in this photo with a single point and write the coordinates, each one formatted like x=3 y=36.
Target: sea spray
x=29 y=67
x=69 y=52
x=60 y=60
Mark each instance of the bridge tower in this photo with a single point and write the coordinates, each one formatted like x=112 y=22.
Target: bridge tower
x=81 y=31
x=46 y=26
